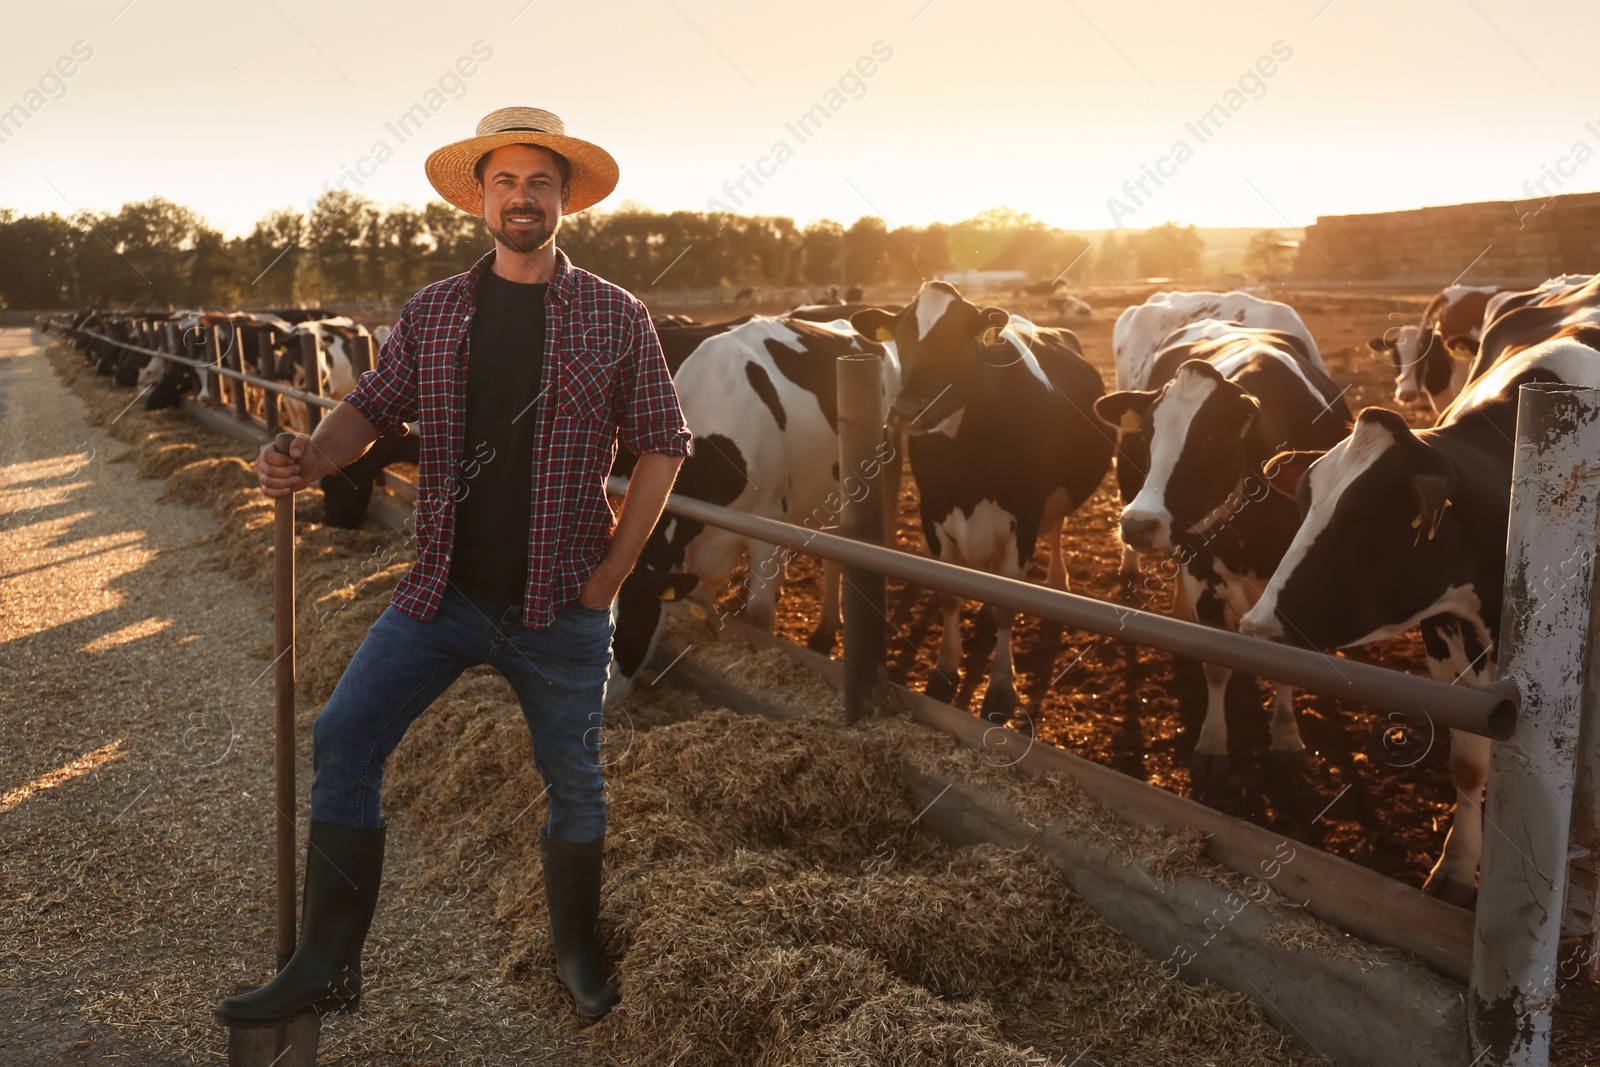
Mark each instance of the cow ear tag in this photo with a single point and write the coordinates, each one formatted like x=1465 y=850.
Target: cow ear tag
x=1130 y=422
x=1461 y=353
x=885 y=334
x=669 y=593
x=1433 y=527
x=991 y=337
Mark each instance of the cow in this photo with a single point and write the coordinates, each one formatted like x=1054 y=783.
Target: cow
x=1403 y=529
x=1071 y=307
x=1214 y=413
x=761 y=401
x=1003 y=443
x=1145 y=329
x=830 y=312
x=1429 y=357
x=347 y=492
x=1531 y=317
x=342 y=355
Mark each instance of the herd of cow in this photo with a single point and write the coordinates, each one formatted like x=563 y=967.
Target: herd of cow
x=1245 y=482
x=267 y=344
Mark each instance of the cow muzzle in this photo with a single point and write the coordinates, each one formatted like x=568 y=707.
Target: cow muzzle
x=1142 y=531
x=1262 y=624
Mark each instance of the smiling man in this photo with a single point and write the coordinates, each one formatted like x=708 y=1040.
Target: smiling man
x=522 y=373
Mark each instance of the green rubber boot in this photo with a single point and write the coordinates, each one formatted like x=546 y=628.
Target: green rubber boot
x=572 y=897
x=344 y=865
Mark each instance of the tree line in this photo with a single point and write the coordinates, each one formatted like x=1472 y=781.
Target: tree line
x=349 y=249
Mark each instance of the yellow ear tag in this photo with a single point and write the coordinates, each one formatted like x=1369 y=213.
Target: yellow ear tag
x=669 y=593
x=1130 y=422
x=697 y=611
x=1462 y=354
x=991 y=337
x=885 y=334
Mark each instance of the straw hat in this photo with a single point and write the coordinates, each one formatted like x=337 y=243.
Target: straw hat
x=450 y=169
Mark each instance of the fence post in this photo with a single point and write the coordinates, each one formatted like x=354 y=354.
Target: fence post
x=1581 y=920
x=174 y=339
x=241 y=411
x=1544 y=625
x=267 y=366
x=362 y=353
x=862 y=601
x=310 y=363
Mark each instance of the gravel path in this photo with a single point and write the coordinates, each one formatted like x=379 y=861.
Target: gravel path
x=135 y=776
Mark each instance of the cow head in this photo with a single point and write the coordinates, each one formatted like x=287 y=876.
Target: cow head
x=1202 y=436
x=1378 y=545
x=1406 y=348
x=942 y=343
x=714 y=472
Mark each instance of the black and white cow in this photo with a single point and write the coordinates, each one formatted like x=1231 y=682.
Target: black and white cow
x=761 y=401
x=1405 y=529
x=1144 y=330
x=1432 y=357
x=1532 y=317
x=1215 y=413
x=1004 y=445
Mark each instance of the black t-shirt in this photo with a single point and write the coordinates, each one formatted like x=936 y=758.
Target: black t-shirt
x=505 y=361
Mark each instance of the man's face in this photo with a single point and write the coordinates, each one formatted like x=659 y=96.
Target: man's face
x=523 y=196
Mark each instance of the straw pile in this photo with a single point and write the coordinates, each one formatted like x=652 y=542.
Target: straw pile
x=771 y=897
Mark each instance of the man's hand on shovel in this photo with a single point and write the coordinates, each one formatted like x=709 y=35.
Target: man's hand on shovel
x=281 y=471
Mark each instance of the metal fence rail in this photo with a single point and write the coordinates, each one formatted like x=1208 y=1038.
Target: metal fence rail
x=1490 y=711
x=213 y=367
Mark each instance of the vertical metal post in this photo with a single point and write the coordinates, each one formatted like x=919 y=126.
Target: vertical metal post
x=363 y=353
x=236 y=387
x=267 y=368
x=862 y=601
x=311 y=364
x=213 y=336
x=1543 y=630
x=1581 y=920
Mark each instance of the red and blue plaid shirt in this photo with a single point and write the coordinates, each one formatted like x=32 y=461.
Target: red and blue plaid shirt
x=604 y=377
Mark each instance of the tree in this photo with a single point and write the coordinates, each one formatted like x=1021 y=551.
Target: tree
x=1268 y=255
x=1168 y=251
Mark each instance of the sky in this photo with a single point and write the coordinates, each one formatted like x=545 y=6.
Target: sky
x=927 y=109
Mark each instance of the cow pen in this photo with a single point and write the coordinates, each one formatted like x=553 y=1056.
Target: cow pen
x=1543 y=810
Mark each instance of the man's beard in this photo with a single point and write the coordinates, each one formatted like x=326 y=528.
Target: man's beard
x=524 y=239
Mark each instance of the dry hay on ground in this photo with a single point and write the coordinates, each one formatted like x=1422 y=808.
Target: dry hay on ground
x=771 y=900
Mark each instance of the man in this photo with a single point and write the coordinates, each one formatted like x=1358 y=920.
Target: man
x=522 y=374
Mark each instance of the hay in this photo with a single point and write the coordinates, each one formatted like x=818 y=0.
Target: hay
x=771 y=901
x=1310 y=935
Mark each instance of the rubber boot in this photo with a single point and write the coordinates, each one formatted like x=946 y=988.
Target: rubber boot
x=572 y=897
x=344 y=865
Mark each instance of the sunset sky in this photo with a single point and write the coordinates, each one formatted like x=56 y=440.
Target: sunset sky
x=237 y=108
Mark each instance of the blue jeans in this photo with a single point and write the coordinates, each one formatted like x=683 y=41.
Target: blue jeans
x=558 y=673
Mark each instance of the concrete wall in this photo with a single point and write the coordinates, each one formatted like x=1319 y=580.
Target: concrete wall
x=1529 y=240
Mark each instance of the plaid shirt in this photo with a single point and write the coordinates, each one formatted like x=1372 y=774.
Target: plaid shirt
x=606 y=378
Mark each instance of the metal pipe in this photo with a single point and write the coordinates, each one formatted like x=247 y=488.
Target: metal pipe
x=1555 y=515
x=1582 y=913
x=1488 y=710
x=311 y=366
x=241 y=410
x=285 y=390
x=283 y=720
x=862 y=600
x=265 y=363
